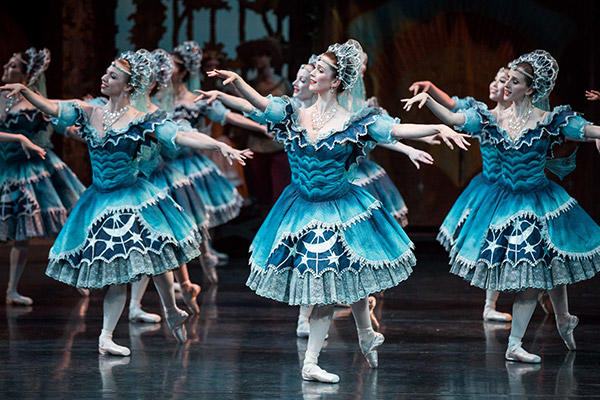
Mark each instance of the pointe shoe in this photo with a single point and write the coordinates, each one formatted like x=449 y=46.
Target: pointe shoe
x=84 y=292
x=209 y=263
x=312 y=372
x=368 y=349
x=139 y=315
x=566 y=332
x=176 y=323
x=189 y=292
x=303 y=328
x=489 y=314
x=517 y=353
x=16 y=299
x=107 y=346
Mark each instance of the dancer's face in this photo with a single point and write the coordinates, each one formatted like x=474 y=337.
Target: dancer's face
x=114 y=82
x=13 y=73
x=301 y=84
x=497 y=86
x=516 y=87
x=322 y=78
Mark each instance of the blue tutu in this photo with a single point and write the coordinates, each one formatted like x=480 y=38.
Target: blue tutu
x=123 y=227
x=513 y=228
x=327 y=240
x=373 y=178
x=35 y=195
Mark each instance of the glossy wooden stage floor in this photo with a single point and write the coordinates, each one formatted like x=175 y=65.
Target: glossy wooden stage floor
x=244 y=347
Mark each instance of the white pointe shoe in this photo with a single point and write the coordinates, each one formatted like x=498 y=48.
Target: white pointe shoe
x=16 y=299
x=566 y=332
x=489 y=314
x=209 y=263
x=303 y=328
x=369 y=349
x=176 y=323
x=107 y=346
x=517 y=353
x=312 y=372
x=139 y=315
x=83 y=292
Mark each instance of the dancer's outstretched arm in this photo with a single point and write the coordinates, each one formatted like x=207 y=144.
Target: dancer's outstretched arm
x=233 y=102
x=200 y=141
x=416 y=156
x=446 y=116
x=255 y=98
x=438 y=94
x=49 y=107
x=442 y=132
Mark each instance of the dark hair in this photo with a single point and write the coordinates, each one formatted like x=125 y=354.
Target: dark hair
x=333 y=57
x=178 y=59
x=527 y=68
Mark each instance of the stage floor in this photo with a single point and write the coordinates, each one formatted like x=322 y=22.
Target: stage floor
x=244 y=347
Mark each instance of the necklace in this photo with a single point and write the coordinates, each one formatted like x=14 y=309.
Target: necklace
x=11 y=101
x=109 y=117
x=516 y=124
x=320 y=119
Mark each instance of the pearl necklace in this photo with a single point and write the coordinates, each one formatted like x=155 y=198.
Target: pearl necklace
x=320 y=119
x=11 y=101
x=109 y=117
x=517 y=124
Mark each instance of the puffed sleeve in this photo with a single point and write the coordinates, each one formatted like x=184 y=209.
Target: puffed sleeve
x=277 y=109
x=462 y=103
x=166 y=133
x=381 y=129
x=68 y=114
x=573 y=127
x=474 y=121
x=217 y=112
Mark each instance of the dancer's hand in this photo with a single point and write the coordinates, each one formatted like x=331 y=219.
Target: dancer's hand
x=448 y=136
x=419 y=156
x=28 y=146
x=431 y=140
x=232 y=154
x=420 y=99
x=420 y=87
x=209 y=95
x=227 y=76
x=592 y=95
x=13 y=88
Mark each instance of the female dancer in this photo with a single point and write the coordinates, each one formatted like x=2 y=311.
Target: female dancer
x=477 y=189
x=123 y=227
x=327 y=241
x=172 y=182
x=221 y=198
x=37 y=189
x=378 y=185
x=529 y=234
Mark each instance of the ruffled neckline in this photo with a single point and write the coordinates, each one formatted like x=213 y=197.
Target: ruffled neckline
x=12 y=117
x=550 y=124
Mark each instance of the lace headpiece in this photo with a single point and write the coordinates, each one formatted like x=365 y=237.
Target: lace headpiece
x=163 y=67
x=141 y=71
x=545 y=71
x=349 y=60
x=37 y=63
x=191 y=55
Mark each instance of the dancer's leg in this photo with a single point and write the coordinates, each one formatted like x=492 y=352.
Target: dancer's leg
x=209 y=262
x=368 y=339
x=114 y=303
x=565 y=322
x=302 y=329
x=189 y=290
x=18 y=259
x=523 y=307
x=489 y=311
x=136 y=314
x=175 y=316
x=320 y=320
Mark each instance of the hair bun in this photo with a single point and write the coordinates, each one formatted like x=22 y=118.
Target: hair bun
x=37 y=63
x=545 y=71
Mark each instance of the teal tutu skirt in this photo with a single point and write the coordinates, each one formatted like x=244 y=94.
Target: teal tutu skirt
x=376 y=181
x=327 y=252
x=115 y=237
x=36 y=196
x=172 y=182
x=221 y=199
x=502 y=239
